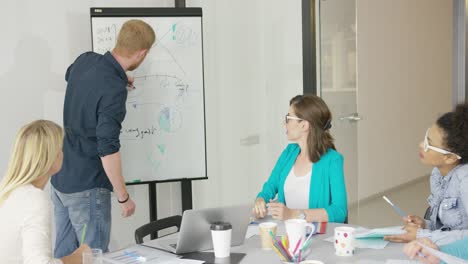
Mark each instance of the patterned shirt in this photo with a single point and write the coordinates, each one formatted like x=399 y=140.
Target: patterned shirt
x=448 y=203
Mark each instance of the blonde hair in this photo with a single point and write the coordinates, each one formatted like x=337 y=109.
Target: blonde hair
x=37 y=146
x=135 y=35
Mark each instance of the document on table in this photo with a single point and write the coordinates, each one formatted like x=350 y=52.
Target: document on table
x=252 y=230
x=140 y=254
x=378 y=232
x=183 y=261
x=372 y=243
x=443 y=256
x=401 y=261
x=373 y=238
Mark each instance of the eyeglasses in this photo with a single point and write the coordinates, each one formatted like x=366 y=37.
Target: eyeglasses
x=443 y=151
x=288 y=117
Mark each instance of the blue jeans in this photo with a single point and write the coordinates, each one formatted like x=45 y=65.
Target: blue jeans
x=72 y=211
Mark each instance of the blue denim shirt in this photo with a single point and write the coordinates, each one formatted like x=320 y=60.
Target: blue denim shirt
x=449 y=205
x=93 y=111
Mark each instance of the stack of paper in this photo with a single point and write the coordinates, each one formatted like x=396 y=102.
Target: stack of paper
x=378 y=232
x=141 y=254
x=372 y=238
x=372 y=243
x=401 y=261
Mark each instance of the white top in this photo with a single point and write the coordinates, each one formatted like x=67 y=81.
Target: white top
x=25 y=227
x=296 y=190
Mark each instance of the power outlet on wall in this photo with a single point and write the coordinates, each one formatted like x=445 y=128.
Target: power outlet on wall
x=250 y=140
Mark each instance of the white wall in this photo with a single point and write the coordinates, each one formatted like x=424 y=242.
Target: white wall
x=253 y=66
x=404 y=65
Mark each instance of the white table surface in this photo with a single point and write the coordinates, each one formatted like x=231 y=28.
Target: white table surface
x=319 y=250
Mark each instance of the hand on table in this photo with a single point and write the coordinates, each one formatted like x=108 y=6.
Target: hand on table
x=415 y=250
x=410 y=235
x=260 y=208
x=279 y=210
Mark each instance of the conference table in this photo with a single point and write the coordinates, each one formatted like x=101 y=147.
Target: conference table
x=250 y=252
x=320 y=250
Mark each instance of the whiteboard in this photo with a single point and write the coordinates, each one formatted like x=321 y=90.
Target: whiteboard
x=163 y=134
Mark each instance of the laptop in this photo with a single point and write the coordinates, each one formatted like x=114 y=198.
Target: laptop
x=195 y=234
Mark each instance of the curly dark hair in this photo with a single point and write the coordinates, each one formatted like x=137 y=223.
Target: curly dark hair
x=455 y=127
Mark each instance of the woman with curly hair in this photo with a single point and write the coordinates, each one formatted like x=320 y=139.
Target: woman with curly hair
x=445 y=147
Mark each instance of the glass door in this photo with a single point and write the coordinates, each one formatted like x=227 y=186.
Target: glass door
x=336 y=60
x=404 y=82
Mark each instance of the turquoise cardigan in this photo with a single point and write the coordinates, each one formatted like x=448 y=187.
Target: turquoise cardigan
x=327 y=185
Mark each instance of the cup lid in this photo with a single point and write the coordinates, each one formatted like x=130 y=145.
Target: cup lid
x=221 y=226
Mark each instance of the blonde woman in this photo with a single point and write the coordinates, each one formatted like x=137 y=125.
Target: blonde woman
x=24 y=206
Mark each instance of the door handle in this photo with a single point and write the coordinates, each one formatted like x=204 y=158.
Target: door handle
x=354 y=117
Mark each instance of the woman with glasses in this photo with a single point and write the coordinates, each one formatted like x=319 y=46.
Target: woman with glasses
x=445 y=147
x=307 y=180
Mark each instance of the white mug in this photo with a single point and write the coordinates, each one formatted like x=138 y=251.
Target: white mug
x=296 y=229
x=344 y=241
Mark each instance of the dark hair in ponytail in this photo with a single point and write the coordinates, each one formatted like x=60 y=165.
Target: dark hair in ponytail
x=455 y=127
x=314 y=110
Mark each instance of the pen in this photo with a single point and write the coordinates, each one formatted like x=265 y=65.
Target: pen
x=419 y=253
x=283 y=258
x=297 y=246
x=306 y=242
x=83 y=234
x=280 y=247
x=398 y=210
x=284 y=242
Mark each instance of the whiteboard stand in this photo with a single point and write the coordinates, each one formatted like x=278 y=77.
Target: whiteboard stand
x=165 y=120
x=186 y=191
x=179 y=3
x=186 y=188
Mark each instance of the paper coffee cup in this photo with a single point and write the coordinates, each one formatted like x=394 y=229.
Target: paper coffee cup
x=344 y=241
x=267 y=240
x=221 y=235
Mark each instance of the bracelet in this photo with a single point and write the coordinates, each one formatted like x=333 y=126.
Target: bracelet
x=124 y=201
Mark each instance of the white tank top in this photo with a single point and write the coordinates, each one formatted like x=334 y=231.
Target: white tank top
x=296 y=190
